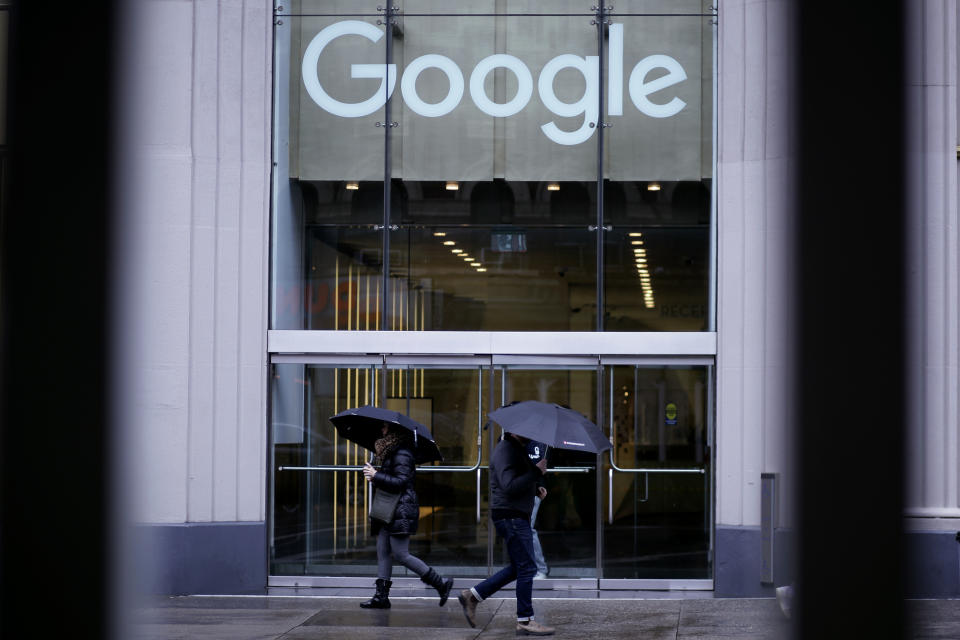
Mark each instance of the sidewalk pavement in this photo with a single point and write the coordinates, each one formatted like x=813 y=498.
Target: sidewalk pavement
x=419 y=618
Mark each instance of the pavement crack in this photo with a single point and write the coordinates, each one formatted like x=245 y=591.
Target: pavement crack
x=296 y=626
x=679 y=615
x=495 y=612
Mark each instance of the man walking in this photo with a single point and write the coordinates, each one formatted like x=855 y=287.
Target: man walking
x=513 y=483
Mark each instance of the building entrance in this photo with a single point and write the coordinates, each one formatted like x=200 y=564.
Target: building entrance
x=640 y=512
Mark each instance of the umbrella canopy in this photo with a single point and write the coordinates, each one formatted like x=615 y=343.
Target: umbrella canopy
x=362 y=425
x=551 y=424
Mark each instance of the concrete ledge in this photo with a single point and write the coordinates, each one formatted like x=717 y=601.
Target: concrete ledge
x=738 y=562
x=932 y=564
x=226 y=558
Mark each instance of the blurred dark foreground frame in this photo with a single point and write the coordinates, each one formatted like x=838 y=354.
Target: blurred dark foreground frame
x=850 y=254
x=56 y=329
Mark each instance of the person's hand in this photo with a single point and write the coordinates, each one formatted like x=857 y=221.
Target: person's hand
x=368 y=471
x=542 y=465
x=542 y=492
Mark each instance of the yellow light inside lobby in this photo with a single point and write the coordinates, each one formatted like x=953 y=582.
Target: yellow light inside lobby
x=449 y=243
x=453 y=185
x=553 y=186
x=635 y=234
x=474 y=264
x=481 y=270
x=653 y=186
x=439 y=234
x=456 y=250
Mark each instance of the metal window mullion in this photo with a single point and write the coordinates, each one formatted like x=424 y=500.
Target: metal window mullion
x=600 y=22
x=714 y=240
x=598 y=517
x=387 y=170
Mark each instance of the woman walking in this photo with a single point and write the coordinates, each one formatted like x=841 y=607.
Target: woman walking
x=395 y=451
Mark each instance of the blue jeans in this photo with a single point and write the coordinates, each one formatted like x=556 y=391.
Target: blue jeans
x=537 y=549
x=519 y=541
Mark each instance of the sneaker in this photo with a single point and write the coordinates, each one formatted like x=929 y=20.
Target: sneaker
x=533 y=628
x=469 y=603
x=540 y=575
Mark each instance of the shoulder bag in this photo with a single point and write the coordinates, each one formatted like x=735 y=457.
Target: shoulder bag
x=383 y=505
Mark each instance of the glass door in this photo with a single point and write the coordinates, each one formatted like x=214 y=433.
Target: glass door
x=643 y=519
x=566 y=522
x=320 y=524
x=450 y=399
x=319 y=497
x=657 y=512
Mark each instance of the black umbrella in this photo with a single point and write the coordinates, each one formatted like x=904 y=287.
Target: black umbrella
x=551 y=424
x=363 y=426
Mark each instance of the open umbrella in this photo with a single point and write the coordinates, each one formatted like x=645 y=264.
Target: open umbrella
x=551 y=424
x=362 y=425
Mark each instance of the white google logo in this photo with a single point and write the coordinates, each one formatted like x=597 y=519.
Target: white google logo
x=588 y=66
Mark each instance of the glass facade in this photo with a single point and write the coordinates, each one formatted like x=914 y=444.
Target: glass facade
x=651 y=490
x=503 y=166
x=508 y=168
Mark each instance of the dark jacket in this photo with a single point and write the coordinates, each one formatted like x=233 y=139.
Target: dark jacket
x=513 y=477
x=537 y=451
x=396 y=474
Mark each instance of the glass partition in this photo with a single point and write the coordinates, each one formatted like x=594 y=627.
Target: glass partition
x=320 y=520
x=518 y=142
x=330 y=89
x=657 y=512
x=320 y=501
x=566 y=522
x=657 y=258
x=507 y=165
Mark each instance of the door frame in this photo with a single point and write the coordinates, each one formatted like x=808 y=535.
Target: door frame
x=492 y=362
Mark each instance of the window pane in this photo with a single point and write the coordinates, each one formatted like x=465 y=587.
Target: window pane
x=319 y=520
x=496 y=171
x=449 y=402
x=658 y=169
x=329 y=168
x=319 y=517
x=660 y=521
x=497 y=256
x=566 y=521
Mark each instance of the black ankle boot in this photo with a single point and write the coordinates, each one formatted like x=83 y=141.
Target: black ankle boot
x=436 y=581
x=380 y=599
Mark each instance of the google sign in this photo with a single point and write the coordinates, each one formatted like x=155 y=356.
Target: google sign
x=639 y=88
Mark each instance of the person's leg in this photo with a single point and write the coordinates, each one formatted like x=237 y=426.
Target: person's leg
x=537 y=549
x=400 y=545
x=470 y=598
x=520 y=548
x=384 y=557
x=500 y=579
x=400 y=550
x=381 y=599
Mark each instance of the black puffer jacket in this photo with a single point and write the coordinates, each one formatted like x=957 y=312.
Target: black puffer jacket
x=396 y=474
